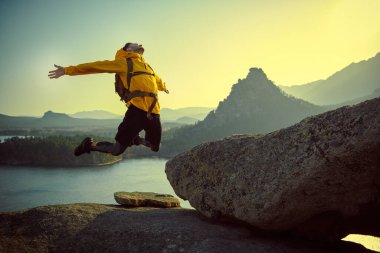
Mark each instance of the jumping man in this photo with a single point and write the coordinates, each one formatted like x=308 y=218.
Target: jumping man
x=137 y=85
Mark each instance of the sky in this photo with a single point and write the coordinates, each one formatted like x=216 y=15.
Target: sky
x=199 y=48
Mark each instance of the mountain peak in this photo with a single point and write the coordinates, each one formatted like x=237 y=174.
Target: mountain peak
x=256 y=71
x=257 y=74
x=256 y=84
x=255 y=94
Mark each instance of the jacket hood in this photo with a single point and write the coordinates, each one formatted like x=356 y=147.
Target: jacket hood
x=124 y=54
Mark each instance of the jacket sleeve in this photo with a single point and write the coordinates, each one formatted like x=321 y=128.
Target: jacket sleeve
x=160 y=84
x=115 y=66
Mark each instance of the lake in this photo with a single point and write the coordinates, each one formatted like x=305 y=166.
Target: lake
x=26 y=187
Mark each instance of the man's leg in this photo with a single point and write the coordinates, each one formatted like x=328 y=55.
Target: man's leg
x=153 y=133
x=108 y=147
x=115 y=149
x=126 y=136
x=128 y=130
x=88 y=145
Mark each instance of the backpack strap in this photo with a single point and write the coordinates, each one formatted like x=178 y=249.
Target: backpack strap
x=142 y=73
x=138 y=93
x=129 y=72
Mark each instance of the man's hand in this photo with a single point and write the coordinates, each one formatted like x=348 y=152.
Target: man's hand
x=167 y=91
x=60 y=71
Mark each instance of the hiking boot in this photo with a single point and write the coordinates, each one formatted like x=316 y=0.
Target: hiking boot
x=83 y=147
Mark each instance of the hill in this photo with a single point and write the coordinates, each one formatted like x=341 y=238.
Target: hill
x=54 y=121
x=255 y=105
x=98 y=119
x=374 y=94
x=191 y=114
x=97 y=114
x=196 y=113
x=351 y=83
x=187 y=120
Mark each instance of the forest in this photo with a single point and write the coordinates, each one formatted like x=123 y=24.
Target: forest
x=50 y=151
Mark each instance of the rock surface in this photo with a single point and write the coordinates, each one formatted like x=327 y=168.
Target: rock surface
x=146 y=199
x=320 y=177
x=107 y=228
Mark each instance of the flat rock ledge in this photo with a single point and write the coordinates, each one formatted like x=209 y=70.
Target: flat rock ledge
x=112 y=228
x=146 y=199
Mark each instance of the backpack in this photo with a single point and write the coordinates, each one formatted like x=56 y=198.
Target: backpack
x=126 y=95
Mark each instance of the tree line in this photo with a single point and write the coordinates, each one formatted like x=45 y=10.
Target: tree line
x=50 y=151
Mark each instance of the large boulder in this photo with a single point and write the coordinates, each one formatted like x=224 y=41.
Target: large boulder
x=106 y=228
x=319 y=178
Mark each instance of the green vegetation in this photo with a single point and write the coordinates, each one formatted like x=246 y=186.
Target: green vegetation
x=50 y=151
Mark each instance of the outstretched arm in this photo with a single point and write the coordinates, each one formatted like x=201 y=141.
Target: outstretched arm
x=60 y=71
x=116 y=66
x=161 y=85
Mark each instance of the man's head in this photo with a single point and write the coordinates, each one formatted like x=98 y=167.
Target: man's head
x=134 y=47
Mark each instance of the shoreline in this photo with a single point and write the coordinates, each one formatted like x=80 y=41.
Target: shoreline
x=61 y=165
x=137 y=157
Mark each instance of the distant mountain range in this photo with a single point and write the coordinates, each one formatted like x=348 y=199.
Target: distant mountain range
x=98 y=119
x=96 y=114
x=187 y=115
x=255 y=105
x=347 y=86
x=52 y=119
x=374 y=94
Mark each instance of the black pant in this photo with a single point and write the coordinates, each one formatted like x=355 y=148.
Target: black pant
x=136 y=120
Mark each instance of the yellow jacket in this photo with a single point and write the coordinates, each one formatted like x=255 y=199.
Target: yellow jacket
x=146 y=83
